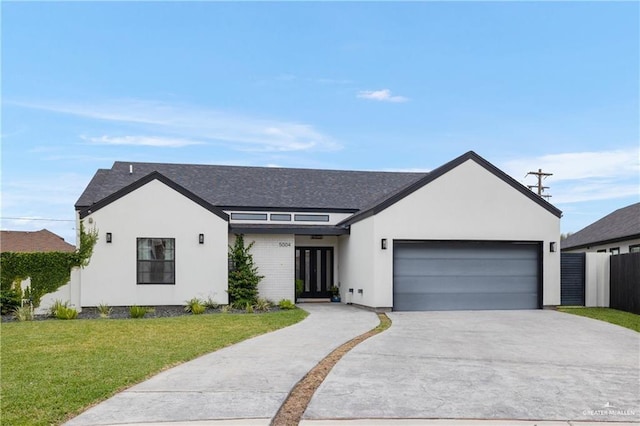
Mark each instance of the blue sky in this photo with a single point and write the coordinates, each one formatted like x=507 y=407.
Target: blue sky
x=364 y=86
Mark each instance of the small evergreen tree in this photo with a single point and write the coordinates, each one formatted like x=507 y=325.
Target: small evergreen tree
x=243 y=274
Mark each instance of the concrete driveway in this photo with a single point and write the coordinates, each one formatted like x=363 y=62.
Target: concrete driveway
x=527 y=365
x=248 y=381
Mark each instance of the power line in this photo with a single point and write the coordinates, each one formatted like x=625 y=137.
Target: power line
x=39 y=218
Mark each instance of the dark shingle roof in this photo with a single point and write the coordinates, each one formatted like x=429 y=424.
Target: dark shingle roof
x=33 y=241
x=258 y=187
x=622 y=224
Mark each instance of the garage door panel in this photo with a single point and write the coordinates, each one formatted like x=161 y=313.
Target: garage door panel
x=453 y=284
x=447 y=250
x=465 y=267
x=465 y=275
x=465 y=301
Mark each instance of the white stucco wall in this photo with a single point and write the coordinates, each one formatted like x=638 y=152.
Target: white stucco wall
x=155 y=211
x=274 y=257
x=622 y=245
x=467 y=203
x=355 y=262
x=596 y=285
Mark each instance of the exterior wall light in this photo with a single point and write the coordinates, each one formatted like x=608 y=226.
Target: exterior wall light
x=201 y=238
x=552 y=246
x=109 y=237
x=383 y=244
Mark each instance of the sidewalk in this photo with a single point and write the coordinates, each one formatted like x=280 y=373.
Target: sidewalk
x=393 y=422
x=249 y=380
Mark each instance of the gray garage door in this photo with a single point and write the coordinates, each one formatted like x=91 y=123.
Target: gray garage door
x=438 y=276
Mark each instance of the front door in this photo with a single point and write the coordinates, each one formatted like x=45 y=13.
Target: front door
x=314 y=266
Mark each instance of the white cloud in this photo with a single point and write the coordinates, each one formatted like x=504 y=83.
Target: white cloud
x=141 y=141
x=383 y=95
x=581 y=165
x=583 y=176
x=174 y=125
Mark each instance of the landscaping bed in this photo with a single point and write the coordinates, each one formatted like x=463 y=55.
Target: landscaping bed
x=122 y=312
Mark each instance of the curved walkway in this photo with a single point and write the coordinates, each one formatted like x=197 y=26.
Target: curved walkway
x=249 y=380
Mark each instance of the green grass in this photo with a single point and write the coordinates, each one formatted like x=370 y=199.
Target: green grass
x=53 y=370
x=614 y=316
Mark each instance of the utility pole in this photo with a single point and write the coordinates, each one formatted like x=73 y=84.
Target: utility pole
x=539 y=187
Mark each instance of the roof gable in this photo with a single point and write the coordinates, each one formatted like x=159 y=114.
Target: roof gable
x=434 y=174
x=619 y=225
x=145 y=180
x=33 y=241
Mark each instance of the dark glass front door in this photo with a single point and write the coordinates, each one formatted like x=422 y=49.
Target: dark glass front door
x=314 y=266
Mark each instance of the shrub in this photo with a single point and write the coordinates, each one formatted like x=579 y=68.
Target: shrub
x=9 y=301
x=137 y=311
x=286 y=304
x=56 y=306
x=195 y=306
x=225 y=309
x=104 y=310
x=249 y=308
x=240 y=304
x=66 y=313
x=23 y=313
x=263 y=305
x=210 y=303
x=243 y=274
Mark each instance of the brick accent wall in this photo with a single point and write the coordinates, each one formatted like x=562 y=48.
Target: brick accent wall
x=274 y=255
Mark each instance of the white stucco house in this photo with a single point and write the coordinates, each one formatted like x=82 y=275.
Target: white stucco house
x=464 y=236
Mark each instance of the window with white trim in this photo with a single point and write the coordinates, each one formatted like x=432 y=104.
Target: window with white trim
x=156 y=262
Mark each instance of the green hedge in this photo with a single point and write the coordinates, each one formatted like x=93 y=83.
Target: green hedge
x=48 y=271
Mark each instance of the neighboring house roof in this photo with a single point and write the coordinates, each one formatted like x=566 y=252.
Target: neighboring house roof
x=261 y=188
x=622 y=224
x=36 y=241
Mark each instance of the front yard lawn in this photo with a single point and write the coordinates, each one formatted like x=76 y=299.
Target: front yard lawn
x=53 y=370
x=614 y=316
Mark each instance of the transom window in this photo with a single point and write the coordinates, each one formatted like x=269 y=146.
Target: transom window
x=634 y=248
x=156 y=260
x=282 y=217
x=614 y=250
x=312 y=217
x=249 y=216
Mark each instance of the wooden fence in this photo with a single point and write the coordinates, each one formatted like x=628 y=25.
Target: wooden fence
x=625 y=282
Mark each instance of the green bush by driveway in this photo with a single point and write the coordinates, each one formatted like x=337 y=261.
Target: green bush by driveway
x=614 y=316
x=52 y=370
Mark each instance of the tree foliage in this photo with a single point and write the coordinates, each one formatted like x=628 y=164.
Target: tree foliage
x=48 y=271
x=243 y=274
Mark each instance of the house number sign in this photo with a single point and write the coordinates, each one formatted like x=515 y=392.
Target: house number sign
x=285 y=244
